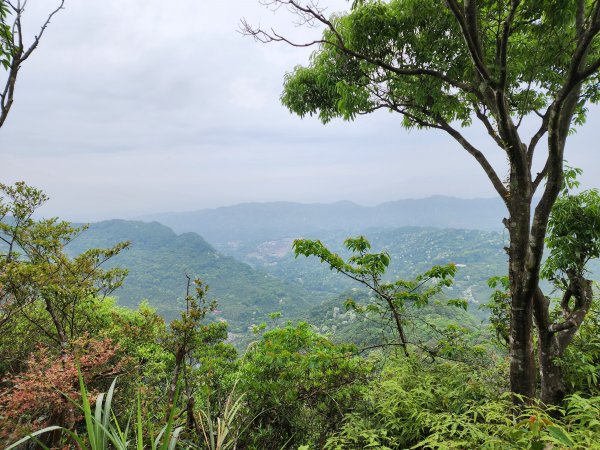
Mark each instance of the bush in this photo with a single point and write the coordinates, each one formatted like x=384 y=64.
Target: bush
x=298 y=386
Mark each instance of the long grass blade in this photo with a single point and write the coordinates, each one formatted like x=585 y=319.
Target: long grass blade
x=32 y=436
x=106 y=411
x=87 y=413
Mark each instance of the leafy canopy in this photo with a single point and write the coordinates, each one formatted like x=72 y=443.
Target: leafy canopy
x=411 y=57
x=573 y=231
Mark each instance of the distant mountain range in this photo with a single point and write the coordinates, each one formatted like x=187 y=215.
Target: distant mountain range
x=268 y=221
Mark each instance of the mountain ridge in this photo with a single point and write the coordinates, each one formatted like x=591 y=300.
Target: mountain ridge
x=259 y=221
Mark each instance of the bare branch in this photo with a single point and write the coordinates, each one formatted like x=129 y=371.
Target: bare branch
x=19 y=54
x=314 y=14
x=480 y=157
x=37 y=38
x=542 y=130
x=539 y=177
x=483 y=118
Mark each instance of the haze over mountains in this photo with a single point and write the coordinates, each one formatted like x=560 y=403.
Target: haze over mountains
x=275 y=220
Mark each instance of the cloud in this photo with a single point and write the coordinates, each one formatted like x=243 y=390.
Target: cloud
x=141 y=106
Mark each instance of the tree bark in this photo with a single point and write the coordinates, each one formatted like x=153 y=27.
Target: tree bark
x=554 y=338
x=179 y=362
x=522 y=360
x=551 y=377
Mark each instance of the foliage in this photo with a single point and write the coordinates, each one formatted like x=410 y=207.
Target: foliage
x=5 y=36
x=44 y=393
x=222 y=433
x=418 y=405
x=102 y=428
x=581 y=361
x=36 y=272
x=393 y=300
x=411 y=56
x=573 y=236
x=499 y=307
x=297 y=387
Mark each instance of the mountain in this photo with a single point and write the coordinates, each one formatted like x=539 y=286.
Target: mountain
x=159 y=259
x=267 y=221
x=478 y=255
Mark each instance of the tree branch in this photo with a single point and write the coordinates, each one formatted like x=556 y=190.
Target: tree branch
x=19 y=54
x=479 y=156
x=503 y=47
x=467 y=26
x=317 y=15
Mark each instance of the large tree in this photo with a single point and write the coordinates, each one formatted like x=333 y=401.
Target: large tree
x=447 y=65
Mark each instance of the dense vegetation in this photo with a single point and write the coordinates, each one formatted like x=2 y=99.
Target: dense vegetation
x=79 y=370
x=158 y=260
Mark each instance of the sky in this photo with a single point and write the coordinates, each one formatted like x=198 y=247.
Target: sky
x=142 y=106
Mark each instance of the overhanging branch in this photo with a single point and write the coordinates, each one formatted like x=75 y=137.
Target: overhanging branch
x=312 y=13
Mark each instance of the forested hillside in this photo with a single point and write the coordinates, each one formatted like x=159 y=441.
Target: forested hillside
x=159 y=260
x=479 y=256
x=251 y=280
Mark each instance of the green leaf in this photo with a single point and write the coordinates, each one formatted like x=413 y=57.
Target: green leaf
x=560 y=435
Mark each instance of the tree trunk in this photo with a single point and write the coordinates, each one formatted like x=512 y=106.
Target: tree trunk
x=554 y=338
x=179 y=362
x=551 y=377
x=522 y=361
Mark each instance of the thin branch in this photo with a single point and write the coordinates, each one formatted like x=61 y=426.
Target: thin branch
x=539 y=177
x=542 y=130
x=19 y=54
x=503 y=49
x=589 y=70
x=483 y=118
x=471 y=41
x=316 y=15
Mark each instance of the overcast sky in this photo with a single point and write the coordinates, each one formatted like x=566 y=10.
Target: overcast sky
x=140 y=106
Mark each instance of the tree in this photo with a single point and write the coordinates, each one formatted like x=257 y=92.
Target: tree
x=392 y=300
x=187 y=340
x=446 y=64
x=298 y=385
x=39 y=280
x=13 y=49
x=573 y=240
